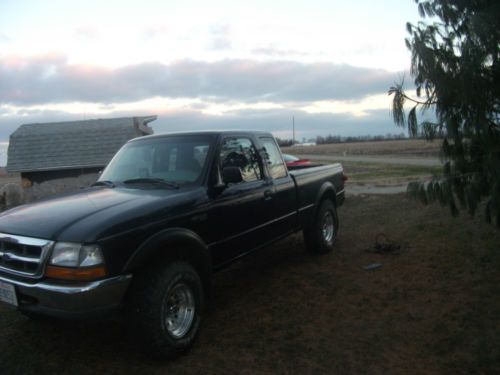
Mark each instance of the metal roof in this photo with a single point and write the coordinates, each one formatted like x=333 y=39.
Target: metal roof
x=73 y=144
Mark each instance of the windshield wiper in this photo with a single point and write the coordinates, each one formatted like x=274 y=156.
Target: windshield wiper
x=142 y=180
x=104 y=183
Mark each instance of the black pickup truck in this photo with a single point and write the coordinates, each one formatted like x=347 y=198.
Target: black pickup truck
x=167 y=212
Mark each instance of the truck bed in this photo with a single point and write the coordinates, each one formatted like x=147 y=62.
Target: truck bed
x=309 y=180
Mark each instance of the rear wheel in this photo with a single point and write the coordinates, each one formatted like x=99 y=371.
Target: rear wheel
x=321 y=235
x=165 y=308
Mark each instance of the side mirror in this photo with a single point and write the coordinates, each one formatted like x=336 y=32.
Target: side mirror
x=231 y=175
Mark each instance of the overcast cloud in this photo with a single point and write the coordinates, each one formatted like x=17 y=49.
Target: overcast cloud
x=279 y=121
x=51 y=79
x=199 y=65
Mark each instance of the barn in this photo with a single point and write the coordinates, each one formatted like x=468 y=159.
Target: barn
x=65 y=156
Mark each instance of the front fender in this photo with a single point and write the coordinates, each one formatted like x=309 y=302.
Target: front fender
x=168 y=242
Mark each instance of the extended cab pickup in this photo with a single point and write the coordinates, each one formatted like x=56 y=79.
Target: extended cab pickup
x=167 y=212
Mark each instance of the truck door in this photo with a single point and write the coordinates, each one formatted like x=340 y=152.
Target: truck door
x=283 y=214
x=239 y=212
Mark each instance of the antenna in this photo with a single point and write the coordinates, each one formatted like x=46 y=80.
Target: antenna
x=293 y=129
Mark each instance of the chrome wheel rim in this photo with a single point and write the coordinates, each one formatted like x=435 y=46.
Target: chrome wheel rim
x=180 y=310
x=328 y=228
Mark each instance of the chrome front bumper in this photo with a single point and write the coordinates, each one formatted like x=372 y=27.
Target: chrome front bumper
x=75 y=300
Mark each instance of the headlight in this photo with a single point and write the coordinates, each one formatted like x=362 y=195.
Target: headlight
x=73 y=261
x=66 y=254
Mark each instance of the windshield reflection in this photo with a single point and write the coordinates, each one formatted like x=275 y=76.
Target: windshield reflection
x=176 y=160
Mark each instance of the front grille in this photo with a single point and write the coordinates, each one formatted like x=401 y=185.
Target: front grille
x=23 y=256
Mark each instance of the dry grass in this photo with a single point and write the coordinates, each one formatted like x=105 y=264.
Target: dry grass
x=431 y=309
x=363 y=172
x=409 y=148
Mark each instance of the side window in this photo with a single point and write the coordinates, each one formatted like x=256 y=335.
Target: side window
x=275 y=164
x=241 y=153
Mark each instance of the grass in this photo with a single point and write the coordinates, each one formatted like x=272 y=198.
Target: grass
x=431 y=309
x=364 y=171
x=401 y=148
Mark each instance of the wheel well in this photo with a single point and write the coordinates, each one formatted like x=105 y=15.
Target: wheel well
x=186 y=252
x=329 y=194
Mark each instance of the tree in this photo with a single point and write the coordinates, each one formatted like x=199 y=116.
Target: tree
x=455 y=66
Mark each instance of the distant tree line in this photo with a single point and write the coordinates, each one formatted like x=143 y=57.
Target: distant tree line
x=329 y=139
x=284 y=142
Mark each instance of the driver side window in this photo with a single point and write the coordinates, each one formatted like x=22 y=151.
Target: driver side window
x=241 y=153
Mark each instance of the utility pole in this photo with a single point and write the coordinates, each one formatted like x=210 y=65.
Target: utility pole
x=293 y=127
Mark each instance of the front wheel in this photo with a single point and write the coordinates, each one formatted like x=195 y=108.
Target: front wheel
x=321 y=235
x=165 y=308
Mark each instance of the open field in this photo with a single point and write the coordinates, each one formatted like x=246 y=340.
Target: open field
x=432 y=308
x=403 y=148
x=390 y=164
x=363 y=172
x=385 y=159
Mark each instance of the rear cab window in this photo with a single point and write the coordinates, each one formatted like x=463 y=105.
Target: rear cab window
x=272 y=154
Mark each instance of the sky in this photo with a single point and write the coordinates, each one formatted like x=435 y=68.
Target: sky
x=205 y=64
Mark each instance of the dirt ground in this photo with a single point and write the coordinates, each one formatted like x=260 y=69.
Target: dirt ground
x=431 y=308
x=402 y=148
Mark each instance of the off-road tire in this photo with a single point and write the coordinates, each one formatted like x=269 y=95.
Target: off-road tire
x=149 y=304
x=320 y=236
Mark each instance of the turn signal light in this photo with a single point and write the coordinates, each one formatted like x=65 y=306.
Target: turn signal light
x=75 y=274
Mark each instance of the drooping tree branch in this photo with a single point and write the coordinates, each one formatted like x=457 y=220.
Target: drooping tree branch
x=455 y=63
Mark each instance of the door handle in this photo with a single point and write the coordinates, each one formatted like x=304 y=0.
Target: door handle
x=268 y=195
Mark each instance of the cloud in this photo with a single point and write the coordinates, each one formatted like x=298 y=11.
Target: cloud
x=155 y=31
x=4 y=38
x=86 y=32
x=278 y=52
x=221 y=37
x=278 y=120
x=51 y=79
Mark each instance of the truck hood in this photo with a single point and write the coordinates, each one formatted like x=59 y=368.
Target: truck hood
x=49 y=218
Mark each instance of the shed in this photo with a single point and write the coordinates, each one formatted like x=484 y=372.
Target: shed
x=64 y=156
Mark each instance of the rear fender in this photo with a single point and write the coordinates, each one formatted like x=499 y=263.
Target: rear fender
x=327 y=191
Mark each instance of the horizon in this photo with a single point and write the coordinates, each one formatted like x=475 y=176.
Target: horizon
x=343 y=139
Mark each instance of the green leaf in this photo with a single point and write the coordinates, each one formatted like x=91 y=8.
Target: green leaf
x=421 y=10
x=447 y=168
x=398 y=102
x=409 y=27
x=412 y=189
x=422 y=194
x=460 y=193
x=408 y=44
x=453 y=207
x=472 y=200
x=412 y=122
x=487 y=212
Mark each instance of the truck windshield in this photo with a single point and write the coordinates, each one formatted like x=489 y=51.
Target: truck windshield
x=175 y=159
